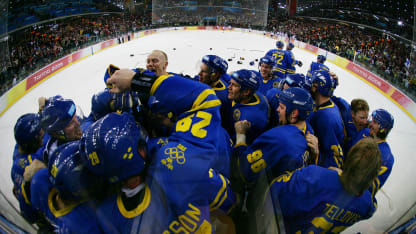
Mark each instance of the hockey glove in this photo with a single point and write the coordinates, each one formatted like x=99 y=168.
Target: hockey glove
x=143 y=80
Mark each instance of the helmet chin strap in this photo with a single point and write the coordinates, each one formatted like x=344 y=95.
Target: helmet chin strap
x=134 y=191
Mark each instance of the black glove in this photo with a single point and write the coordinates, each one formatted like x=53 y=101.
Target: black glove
x=143 y=81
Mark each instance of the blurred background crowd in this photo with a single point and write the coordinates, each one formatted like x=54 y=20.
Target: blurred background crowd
x=375 y=34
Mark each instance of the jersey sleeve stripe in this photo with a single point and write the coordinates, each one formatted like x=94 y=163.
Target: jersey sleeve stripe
x=24 y=193
x=220 y=193
x=157 y=83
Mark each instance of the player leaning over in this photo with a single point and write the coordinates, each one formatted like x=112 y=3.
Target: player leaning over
x=192 y=108
x=326 y=121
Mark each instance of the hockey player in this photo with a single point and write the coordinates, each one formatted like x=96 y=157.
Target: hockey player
x=316 y=199
x=357 y=114
x=59 y=120
x=174 y=184
x=269 y=80
x=28 y=134
x=379 y=127
x=214 y=73
x=247 y=103
x=291 y=61
x=318 y=65
x=62 y=192
x=293 y=80
x=157 y=62
x=326 y=120
x=194 y=109
x=280 y=57
x=296 y=80
x=280 y=149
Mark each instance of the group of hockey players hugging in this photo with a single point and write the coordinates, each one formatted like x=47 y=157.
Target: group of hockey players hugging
x=241 y=152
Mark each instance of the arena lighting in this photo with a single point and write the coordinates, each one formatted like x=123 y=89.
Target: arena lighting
x=400 y=23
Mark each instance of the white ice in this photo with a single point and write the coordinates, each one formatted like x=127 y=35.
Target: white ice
x=185 y=48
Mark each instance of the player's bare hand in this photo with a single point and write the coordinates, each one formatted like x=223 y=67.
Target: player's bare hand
x=335 y=169
x=31 y=170
x=241 y=127
x=313 y=144
x=334 y=76
x=41 y=102
x=121 y=80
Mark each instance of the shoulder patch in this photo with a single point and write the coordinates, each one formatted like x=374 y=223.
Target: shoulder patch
x=236 y=115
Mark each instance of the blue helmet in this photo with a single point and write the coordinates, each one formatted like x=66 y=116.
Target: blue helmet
x=297 y=80
x=56 y=115
x=290 y=46
x=272 y=96
x=385 y=119
x=321 y=58
x=216 y=63
x=108 y=73
x=297 y=98
x=27 y=130
x=280 y=44
x=109 y=147
x=248 y=79
x=100 y=104
x=52 y=99
x=267 y=60
x=68 y=174
x=326 y=85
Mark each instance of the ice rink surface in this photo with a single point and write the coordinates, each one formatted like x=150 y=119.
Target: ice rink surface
x=185 y=49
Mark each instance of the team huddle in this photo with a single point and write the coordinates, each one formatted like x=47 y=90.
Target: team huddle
x=241 y=152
